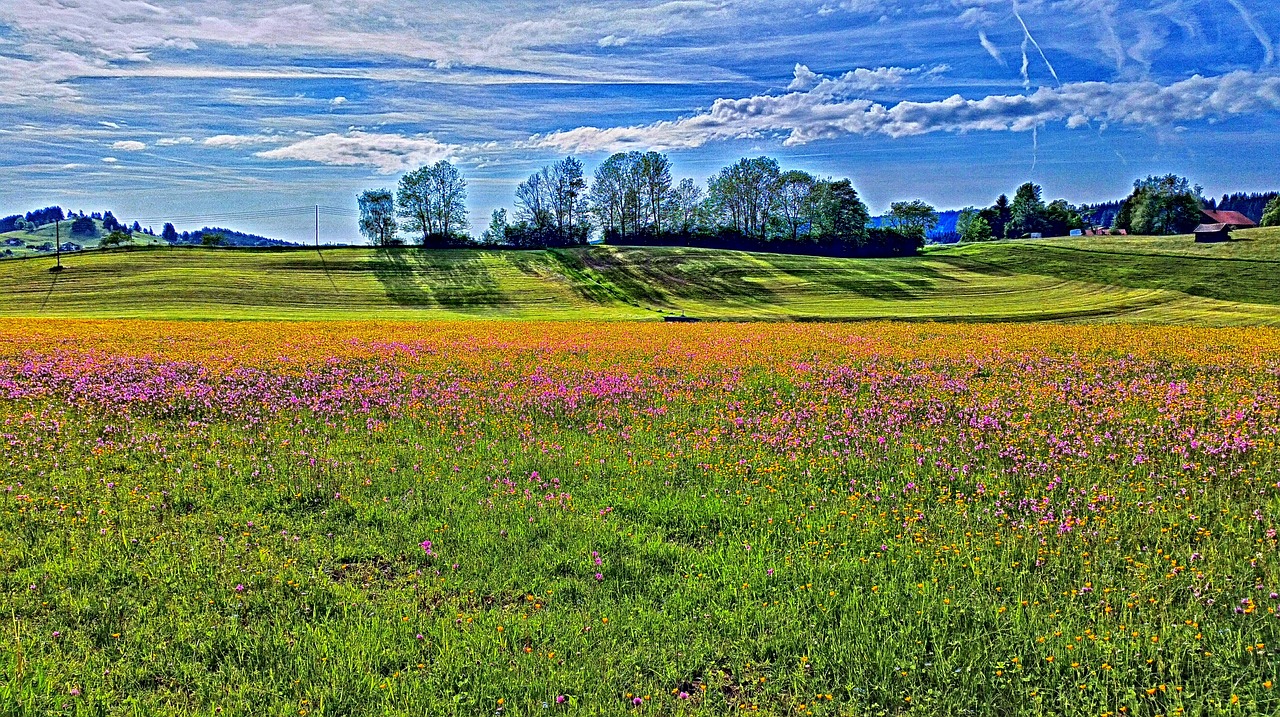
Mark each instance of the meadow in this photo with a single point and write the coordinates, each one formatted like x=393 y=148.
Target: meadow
x=1165 y=280
x=204 y=518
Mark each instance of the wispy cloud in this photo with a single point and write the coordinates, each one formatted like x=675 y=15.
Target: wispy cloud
x=129 y=146
x=828 y=111
x=385 y=153
x=241 y=140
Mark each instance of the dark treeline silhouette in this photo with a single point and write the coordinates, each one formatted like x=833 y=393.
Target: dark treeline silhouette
x=878 y=242
x=1101 y=215
x=219 y=236
x=1252 y=205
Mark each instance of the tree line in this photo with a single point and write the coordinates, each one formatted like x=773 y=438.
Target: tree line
x=753 y=204
x=632 y=198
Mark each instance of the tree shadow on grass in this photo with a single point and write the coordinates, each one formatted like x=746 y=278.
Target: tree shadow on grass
x=888 y=279
x=666 y=277
x=457 y=280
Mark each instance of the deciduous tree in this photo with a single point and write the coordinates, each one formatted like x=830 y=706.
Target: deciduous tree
x=377 y=216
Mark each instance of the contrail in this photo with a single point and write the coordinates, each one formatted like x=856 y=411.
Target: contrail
x=1263 y=38
x=991 y=48
x=1026 y=77
x=1027 y=32
x=1035 y=147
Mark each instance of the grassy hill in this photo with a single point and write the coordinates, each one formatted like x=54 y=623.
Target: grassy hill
x=1159 y=280
x=46 y=235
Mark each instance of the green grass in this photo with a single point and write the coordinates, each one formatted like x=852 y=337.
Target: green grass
x=1160 y=280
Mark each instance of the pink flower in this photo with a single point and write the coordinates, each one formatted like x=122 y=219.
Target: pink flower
x=560 y=699
x=239 y=588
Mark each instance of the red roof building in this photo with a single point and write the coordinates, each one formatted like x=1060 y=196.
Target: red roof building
x=1232 y=220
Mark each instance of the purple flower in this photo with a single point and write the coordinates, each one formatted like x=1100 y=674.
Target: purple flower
x=637 y=701
x=426 y=547
x=419 y=636
x=560 y=699
x=239 y=588
x=599 y=576
x=683 y=695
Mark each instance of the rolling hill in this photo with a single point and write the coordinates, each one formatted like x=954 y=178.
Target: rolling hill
x=1136 y=279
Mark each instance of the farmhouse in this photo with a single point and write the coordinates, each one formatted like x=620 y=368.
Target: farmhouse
x=1231 y=220
x=1217 y=226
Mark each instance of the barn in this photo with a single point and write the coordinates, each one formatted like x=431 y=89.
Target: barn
x=1218 y=226
x=1211 y=233
x=1232 y=220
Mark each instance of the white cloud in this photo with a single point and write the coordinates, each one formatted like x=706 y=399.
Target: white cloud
x=240 y=140
x=613 y=41
x=129 y=146
x=829 y=110
x=338 y=101
x=110 y=160
x=386 y=153
x=804 y=79
x=174 y=141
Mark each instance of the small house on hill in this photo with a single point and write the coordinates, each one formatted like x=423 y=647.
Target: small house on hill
x=1231 y=220
x=1212 y=233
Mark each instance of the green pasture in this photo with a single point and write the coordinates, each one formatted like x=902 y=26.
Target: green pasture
x=1132 y=279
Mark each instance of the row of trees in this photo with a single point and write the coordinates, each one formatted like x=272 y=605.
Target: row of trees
x=1026 y=216
x=430 y=202
x=85 y=225
x=633 y=199
x=1161 y=205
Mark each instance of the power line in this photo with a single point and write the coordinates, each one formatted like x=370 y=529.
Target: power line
x=281 y=212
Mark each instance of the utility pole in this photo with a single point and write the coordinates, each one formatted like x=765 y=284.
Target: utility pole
x=317 y=227
x=57 y=244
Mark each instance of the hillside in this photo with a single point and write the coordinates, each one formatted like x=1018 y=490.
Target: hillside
x=30 y=240
x=1157 y=280
x=46 y=235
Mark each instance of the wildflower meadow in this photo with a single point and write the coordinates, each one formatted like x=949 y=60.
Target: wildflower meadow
x=203 y=518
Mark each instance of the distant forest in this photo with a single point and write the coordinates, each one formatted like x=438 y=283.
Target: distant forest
x=226 y=237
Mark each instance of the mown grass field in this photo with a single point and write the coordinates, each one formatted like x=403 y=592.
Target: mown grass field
x=400 y=518
x=1165 y=280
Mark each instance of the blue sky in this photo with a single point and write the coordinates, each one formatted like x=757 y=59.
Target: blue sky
x=210 y=109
